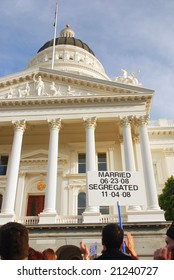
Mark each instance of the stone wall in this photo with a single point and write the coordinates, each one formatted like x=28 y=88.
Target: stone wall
x=147 y=236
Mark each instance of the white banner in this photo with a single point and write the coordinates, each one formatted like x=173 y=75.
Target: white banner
x=105 y=188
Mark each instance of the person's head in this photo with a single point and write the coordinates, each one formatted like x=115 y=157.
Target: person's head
x=112 y=236
x=14 y=241
x=49 y=254
x=69 y=252
x=170 y=238
x=35 y=255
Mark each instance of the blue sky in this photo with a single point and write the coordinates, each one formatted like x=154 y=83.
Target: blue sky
x=136 y=35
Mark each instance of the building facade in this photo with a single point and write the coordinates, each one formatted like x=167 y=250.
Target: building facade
x=57 y=124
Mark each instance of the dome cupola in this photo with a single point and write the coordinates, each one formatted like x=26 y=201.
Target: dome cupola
x=67 y=32
x=71 y=55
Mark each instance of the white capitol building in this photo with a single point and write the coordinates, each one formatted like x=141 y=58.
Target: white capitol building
x=57 y=124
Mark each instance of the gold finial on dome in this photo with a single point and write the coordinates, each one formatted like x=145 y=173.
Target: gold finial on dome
x=67 y=32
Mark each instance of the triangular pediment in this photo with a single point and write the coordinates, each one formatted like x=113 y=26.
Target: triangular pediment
x=41 y=155
x=61 y=88
x=47 y=83
x=65 y=90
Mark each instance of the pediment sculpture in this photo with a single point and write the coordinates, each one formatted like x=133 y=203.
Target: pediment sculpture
x=127 y=78
x=40 y=88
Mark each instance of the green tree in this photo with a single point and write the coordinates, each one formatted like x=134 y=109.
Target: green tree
x=166 y=199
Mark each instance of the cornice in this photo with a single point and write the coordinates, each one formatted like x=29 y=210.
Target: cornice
x=94 y=82
x=162 y=132
x=161 y=127
x=75 y=100
x=41 y=160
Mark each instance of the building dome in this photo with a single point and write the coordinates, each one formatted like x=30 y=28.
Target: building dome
x=71 y=55
x=67 y=38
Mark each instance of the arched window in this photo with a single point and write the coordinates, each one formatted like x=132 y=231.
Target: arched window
x=81 y=202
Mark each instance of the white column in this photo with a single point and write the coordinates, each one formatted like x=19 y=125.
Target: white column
x=49 y=212
x=90 y=125
x=138 y=152
x=20 y=195
x=120 y=140
x=111 y=158
x=151 y=191
x=128 y=150
x=13 y=169
x=128 y=145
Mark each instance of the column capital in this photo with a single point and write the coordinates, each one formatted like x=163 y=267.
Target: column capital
x=142 y=120
x=55 y=124
x=19 y=125
x=90 y=122
x=126 y=121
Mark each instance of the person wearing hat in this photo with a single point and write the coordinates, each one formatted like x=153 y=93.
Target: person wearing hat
x=166 y=253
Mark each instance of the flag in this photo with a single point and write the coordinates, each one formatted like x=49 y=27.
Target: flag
x=55 y=15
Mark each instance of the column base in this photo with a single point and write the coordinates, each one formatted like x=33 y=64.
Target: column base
x=47 y=218
x=134 y=208
x=5 y=218
x=91 y=217
x=146 y=216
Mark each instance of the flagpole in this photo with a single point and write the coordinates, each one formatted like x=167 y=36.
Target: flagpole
x=121 y=224
x=54 y=39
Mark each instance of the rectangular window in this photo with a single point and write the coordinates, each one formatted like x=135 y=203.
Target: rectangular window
x=3 y=165
x=104 y=210
x=102 y=163
x=81 y=163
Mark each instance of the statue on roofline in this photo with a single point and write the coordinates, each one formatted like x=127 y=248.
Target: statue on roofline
x=126 y=78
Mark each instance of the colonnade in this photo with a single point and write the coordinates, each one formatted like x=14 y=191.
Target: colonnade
x=90 y=124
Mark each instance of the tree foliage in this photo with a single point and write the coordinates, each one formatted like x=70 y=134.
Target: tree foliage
x=166 y=199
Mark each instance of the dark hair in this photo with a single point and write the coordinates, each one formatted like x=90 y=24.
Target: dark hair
x=170 y=231
x=35 y=255
x=112 y=236
x=49 y=254
x=69 y=252
x=13 y=241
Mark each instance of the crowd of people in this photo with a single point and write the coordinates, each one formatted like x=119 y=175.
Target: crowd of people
x=14 y=245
